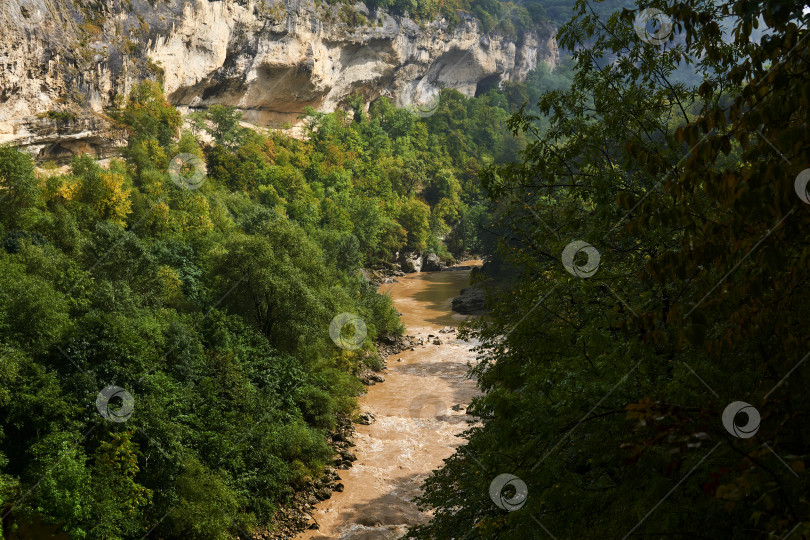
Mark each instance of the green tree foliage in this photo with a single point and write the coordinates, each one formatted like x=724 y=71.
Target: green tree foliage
x=33 y=314
x=149 y=115
x=207 y=504
x=118 y=497
x=414 y=218
x=18 y=187
x=605 y=395
x=222 y=124
x=103 y=193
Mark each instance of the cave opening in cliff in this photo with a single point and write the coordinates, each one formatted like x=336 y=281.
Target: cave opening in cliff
x=486 y=84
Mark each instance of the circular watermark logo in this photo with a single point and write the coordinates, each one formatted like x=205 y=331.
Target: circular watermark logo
x=656 y=20
x=427 y=406
x=741 y=419
x=120 y=414
x=801 y=187
x=589 y=267
x=508 y=492
x=337 y=327
x=187 y=171
x=422 y=99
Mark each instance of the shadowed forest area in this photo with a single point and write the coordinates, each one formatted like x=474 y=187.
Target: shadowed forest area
x=645 y=371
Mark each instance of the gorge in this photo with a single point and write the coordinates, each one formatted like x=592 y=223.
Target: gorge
x=231 y=234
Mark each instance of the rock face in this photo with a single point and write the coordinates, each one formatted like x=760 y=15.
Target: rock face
x=470 y=302
x=410 y=262
x=431 y=263
x=268 y=59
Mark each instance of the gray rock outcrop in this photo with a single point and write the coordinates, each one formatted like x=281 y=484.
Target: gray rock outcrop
x=471 y=301
x=268 y=59
x=410 y=262
x=431 y=263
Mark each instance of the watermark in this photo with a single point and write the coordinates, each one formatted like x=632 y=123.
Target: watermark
x=800 y=185
x=337 y=327
x=121 y=414
x=744 y=430
x=656 y=20
x=500 y=488
x=427 y=406
x=421 y=99
x=589 y=267
x=187 y=171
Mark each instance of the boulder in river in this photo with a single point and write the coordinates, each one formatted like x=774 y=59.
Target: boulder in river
x=369 y=378
x=470 y=301
x=431 y=263
x=323 y=493
x=366 y=419
x=410 y=262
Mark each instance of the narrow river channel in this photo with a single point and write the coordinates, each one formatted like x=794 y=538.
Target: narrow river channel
x=419 y=409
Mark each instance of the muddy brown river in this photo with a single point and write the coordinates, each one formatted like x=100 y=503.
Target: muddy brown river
x=419 y=413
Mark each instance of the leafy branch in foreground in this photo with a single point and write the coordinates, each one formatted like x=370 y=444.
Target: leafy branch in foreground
x=605 y=395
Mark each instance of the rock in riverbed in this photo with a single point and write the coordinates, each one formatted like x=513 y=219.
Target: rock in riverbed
x=366 y=419
x=431 y=263
x=470 y=302
x=370 y=378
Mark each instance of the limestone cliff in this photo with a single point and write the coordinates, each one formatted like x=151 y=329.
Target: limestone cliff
x=64 y=62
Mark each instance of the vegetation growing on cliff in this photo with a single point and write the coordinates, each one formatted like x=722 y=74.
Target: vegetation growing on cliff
x=508 y=18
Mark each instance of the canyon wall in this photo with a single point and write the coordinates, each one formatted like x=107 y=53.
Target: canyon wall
x=63 y=63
